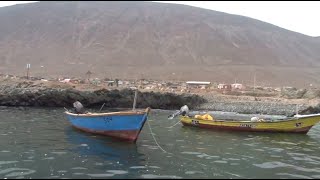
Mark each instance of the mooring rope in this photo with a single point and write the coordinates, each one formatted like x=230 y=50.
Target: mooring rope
x=174 y=124
x=165 y=150
x=183 y=157
x=155 y=138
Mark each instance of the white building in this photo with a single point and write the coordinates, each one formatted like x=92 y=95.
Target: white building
x=224 y=86
x=198 y=84
x=237 y=86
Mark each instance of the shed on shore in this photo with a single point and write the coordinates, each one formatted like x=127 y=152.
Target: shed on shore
x=198 y=84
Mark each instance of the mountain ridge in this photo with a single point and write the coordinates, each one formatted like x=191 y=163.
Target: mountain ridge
x=152 y=40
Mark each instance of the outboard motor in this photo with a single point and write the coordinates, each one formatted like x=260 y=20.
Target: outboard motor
x=78 y=107
x=184 y=111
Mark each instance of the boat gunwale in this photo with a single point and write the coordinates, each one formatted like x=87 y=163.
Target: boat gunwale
x=302 y=130
x=118 y=113
x=254 y=122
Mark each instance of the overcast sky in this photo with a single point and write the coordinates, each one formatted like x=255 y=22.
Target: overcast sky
x=298 y=16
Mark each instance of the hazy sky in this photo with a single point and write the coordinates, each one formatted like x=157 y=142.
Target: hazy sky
x=9 y=3
x=298 y=16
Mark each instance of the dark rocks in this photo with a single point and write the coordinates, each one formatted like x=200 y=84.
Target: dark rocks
x=312 y=93
x=25 y=94
x=28 y=94
x=248 y=105
x=311 y=110
x=252 y=107
x=292 y=93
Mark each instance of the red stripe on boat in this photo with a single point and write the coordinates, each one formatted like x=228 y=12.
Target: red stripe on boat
x=300 y=130
x=128 y=135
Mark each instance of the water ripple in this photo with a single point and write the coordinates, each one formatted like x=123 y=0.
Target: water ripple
x=275 y=164
x=117 y=171
x=193 y=172
x=21 y=171
x=43 y=141
x=153 y=176
x=7 y=162
x=100 y=175
x=295 y=175
x=137 y=167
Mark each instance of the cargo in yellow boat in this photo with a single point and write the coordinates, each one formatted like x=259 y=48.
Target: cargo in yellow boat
x=204 y=117
x=297 y=124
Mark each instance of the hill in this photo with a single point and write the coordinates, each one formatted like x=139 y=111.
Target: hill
x=135 y=40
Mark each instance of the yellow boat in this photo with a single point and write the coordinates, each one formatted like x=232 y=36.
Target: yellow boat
x=297 y=124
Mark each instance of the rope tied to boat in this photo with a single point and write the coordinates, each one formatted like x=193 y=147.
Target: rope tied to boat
x=155 y=138
x=165 y=150
x=174 y=124
x=193 y=161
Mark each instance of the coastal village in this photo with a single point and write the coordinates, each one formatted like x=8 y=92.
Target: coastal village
x=155 y=85
x=159 y=90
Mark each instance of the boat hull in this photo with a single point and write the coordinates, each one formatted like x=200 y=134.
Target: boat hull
x=122 y=125
x=130 y=135
x=294 y=125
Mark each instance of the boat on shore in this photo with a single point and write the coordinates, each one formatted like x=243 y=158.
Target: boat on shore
x=296 y=124
x=125 y=125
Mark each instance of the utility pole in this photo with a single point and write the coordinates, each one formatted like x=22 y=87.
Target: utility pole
x=254 y=86
x=254 y=82
x=135 y=100
x=28 y=67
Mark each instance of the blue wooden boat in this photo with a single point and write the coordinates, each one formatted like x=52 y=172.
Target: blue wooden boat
x=124 y=125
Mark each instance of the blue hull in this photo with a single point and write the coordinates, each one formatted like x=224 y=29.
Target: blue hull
x=124 y=125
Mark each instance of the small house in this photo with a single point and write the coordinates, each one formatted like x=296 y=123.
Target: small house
x=237 y=86
x=198 y=84
x=224 y=86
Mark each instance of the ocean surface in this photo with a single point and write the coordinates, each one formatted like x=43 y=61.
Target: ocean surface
x=40 y=143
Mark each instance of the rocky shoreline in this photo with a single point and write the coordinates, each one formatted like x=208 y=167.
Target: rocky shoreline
x=261 y=105
x=44 y=94
x=41 y=95
x=253 y=107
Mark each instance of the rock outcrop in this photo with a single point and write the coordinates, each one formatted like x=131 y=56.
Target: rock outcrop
x=39 y=94
x=29 y=94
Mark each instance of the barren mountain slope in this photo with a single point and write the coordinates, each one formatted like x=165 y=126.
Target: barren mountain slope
x=152 y=40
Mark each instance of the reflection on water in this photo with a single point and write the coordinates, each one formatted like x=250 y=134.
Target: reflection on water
x=103 y=147
x=40 y=143
x=114 y=153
